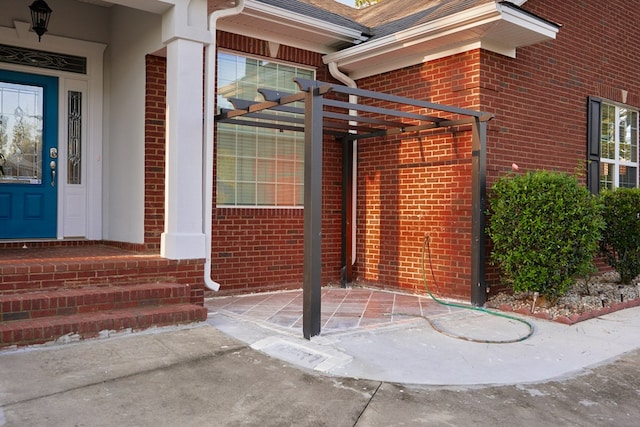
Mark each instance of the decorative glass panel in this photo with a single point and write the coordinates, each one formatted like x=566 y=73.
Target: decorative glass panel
x=20 y=133
x=43 y=59
x=74 y=139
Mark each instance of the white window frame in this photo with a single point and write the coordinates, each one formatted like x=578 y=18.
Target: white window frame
x=617 y=162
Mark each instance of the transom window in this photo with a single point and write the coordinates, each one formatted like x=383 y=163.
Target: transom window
x=256 y=166
x=618 y=147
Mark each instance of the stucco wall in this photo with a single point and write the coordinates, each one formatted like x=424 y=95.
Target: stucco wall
x=69 y=18
x=134 y=34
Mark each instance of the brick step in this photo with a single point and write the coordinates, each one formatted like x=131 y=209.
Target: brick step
x=28 y=275
x=64 y=302
x=89 y=325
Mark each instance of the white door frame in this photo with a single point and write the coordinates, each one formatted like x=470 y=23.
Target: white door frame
x=77 y=205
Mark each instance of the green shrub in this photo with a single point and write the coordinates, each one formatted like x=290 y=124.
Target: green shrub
x=545 y=229
x=621 y=238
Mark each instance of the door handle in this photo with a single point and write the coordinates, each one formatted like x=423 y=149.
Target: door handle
x=52 y=165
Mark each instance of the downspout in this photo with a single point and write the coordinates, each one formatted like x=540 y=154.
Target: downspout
x=353 y=99
x=209 y=110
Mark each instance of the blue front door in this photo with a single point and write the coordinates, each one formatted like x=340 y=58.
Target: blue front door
x=28 y=155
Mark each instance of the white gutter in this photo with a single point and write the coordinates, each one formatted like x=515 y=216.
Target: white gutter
x=353 y=99
x=209 y=110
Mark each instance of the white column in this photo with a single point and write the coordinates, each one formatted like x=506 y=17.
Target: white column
x=183 y=236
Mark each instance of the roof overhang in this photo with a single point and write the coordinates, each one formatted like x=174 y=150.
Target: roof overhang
x=498 y=27
x=274 y=24
x=153 y=6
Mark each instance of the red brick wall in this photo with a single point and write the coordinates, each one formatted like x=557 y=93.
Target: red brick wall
x=540 y=98
x=154 y=155
x=418 y=185
x=262 y=249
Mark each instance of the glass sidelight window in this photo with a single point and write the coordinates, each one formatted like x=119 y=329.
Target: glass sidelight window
x=21 y=127
x=74 y=138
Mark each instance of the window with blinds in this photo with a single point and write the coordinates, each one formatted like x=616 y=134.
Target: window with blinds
x=256 y=166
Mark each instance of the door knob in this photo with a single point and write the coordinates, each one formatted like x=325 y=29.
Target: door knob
x=52 y=165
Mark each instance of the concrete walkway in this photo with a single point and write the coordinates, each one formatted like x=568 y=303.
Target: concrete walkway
x=402 y=373
x=407 y=349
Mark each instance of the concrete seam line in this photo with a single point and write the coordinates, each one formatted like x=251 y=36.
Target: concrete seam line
x=367 y=405
x=199 y=358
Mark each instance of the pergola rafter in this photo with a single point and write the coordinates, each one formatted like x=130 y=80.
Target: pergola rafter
x=323 y=116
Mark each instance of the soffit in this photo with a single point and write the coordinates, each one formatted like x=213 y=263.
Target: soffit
x=493 y=26
x=275 y=24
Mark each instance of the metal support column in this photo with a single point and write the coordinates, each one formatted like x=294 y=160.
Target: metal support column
x=347 y=209
x=478 y=208
x=312 y=285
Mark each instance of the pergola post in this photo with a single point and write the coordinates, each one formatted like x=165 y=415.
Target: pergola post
x=347 y=209
x=312 y=284
x=478 y=208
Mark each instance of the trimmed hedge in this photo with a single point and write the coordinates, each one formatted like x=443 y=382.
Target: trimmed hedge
x=545 y=229
x=621 y=237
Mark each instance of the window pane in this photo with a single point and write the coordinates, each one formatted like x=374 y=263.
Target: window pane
x=246 y=193
x=628 y=176
x=267 y=146
x=268 y=76
x=20 y=133
x=246 y=143
x=226 y=168
x=300 y=194
x=633 y=135
x=286 y=195
x=74 y=138
x=266 y=170
x=608 y=137
x=246 y=169
x=626 y=145
x=226 y=194
x=266 y=194
x=606 y=176
x=226 y=140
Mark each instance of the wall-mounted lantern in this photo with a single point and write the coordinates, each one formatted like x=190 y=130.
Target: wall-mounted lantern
x=40 y=14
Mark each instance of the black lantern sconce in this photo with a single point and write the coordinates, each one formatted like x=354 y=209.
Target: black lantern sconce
x=40 y=14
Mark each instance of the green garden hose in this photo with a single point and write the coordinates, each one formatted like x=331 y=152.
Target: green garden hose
x=426 y=247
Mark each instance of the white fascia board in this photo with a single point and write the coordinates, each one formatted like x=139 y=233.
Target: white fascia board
x=454 y=23
x=528 y=22
x=299 y=22
x=442 y=28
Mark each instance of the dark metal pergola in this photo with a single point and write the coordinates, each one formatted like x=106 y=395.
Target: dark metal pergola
x=325 y=116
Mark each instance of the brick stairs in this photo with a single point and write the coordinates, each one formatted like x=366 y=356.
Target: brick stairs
x=62 y=295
